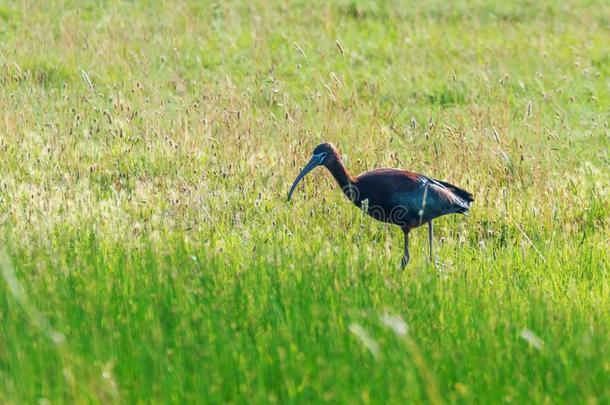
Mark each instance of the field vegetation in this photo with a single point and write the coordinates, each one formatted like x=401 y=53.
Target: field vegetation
x=148 y=253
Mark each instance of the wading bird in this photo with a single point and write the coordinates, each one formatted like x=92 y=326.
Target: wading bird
x=398 y=197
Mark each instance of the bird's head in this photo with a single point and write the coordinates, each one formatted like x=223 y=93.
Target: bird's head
x=323 y=155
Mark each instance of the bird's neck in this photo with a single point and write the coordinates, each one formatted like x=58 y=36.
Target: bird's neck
x=343 y=178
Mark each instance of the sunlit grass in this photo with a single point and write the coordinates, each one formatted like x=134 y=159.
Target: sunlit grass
x=148 y=251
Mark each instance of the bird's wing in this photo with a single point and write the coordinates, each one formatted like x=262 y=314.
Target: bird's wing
x=444 y=200
x=459 y=192
x=430 y=199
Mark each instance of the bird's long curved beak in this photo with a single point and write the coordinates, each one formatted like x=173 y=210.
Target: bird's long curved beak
x=315 y=160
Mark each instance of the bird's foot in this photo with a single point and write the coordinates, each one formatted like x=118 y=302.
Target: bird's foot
x=404 y=262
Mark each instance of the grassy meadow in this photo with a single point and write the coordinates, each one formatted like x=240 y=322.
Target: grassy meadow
x=148 y=254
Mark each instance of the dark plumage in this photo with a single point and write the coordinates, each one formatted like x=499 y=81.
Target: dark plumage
x=399 y=197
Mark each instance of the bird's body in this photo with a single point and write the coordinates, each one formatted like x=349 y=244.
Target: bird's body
x=405 y=198
x=395 y=196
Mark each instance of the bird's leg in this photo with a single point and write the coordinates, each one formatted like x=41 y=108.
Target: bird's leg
x=405 y=258
x=430 y=240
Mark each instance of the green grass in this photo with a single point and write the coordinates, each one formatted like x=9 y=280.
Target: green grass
x=148 y=253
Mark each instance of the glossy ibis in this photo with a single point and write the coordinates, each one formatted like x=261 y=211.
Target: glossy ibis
x=394 y=196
